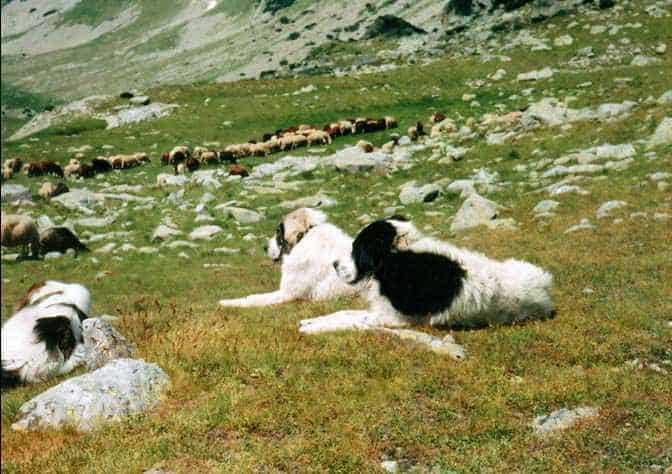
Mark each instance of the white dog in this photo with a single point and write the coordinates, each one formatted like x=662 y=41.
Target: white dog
x=307 y=245
x=40 y=340
x=408 y=278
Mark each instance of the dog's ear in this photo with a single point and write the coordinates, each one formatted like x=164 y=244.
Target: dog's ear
x=56 y=333
x=371 y=247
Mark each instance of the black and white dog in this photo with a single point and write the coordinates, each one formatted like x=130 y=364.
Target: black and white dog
x=307 y=245
x=408 y=278
x=40 y=340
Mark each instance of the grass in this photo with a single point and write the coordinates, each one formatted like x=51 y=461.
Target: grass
x=251 y=394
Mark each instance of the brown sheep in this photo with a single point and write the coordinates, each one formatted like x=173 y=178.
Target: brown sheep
x=20 y=230
x=365 y=146
x=209 y=158
x=237 y=170
x=101 y=165
x=50 y=190
x=14 y=164
x=437 y=117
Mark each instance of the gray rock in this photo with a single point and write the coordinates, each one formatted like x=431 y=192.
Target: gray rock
x=475 y=211
x=137 y=114
x=44 y=222
x=226 y=250
x=241 y=215
x=15 y=192
x=148 y=250
x=81 y=200
x=572 y=170
x=204 y=218
x=353 y=160
x=405 y=140
x=122 y=388
x=318 y=200
x=207 y=179
x=605 y=209
x=205 y=232
x=464 y=187
x=176 y=244
x=107 y=248
x=52 y=255
x=583 y=225
x=140 y=100
x=410 y=193
x=94 y=221
x=562 y=419
x=545 y=206
x=103 y=343
x=176 y=197
x=545 y=73
x=665 y=99
x=165 y=179
x=662 y=135
x=642 y=60
x=164 y=232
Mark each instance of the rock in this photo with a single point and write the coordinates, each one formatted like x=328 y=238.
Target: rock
x=562 y=419
x=103 y=343
x=410 y=193
x=122 y=388
x=205 y=232
x=165 y=179
x=662 y=135
x=567 y=170
x=498 y=75
x=140 y=100
x=176 y=197
x=545 y=73
x=81 y=200
x=226 y=250
x=105 y=249
x=148 y=250
x=44 y=222
x=583 y=225
x=176 y=244
x=445 y=346
x=564 y=40
x=207 y=178
x=94 y=221
x=545 y=206
x=241 y=215
x=475 y=211
x=137 y=114
x=318 y=200
x=15 y=192
x=605 y=209
x=665 y=99
x=52 y=255
x=642 y=60
x=405 y=141
x=464 y=187
x=390 y=466
x=164 y=232
x=354 y=161
x=203 y=218
x=390 y=26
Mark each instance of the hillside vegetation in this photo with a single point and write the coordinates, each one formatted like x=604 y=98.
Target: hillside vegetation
x=248 y=392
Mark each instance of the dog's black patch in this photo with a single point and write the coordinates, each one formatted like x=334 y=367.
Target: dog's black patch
x=371 y=246
x=283 y=245
x=9 y=378
x=57 y=335
x=419 y=284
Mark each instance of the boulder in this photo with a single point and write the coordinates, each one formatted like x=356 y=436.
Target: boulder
x=15 y=192
x=562 y=419
x=205 y=232
x=122 y=388
x=164 y=232
x=103 y=343
x=241 y=215
x=476 y=211
x=81 y=200
x=390 y=26
x=410 y=193
x=605 y=209
x=662 y=135
x=318 y=200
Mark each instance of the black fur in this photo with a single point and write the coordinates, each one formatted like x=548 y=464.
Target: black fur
x=60 y=239
x=9 y=378
x=416 y=284
x=57 y=335
x=281 y=241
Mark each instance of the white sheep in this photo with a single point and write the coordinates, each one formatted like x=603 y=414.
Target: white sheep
x=19 y=230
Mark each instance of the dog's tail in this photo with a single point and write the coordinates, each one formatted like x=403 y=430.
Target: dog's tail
x=529 y=287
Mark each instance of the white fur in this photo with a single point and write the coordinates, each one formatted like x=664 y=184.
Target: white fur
x=20 y=349
x=492 y=292
x=307 y=272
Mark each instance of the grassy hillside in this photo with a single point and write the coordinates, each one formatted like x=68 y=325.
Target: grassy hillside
x=250 y=394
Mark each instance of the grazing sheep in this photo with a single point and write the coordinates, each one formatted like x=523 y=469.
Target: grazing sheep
x=347 y=127
x=437 y=117
x=71 y=168
x=445 y=126
x=365 y=146
x=416 y=131
x=192 y=164
x=178 y=154
x=360 y=125
x=60 y=239
x=7 y=173
x=39 y=168
x=18 y=230
x=14 y=164
x=209 y=157
x=227 y=156
x=318 y=137
x=391 y=122
x=388 y=147
x=237 y=170
x=101 y=165
x=198 y=151
x=50 y=190
x=165 y=158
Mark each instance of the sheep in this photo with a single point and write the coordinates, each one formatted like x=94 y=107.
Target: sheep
x=237 y=170
x=7 y=173
x=226 y=156
x=347 y=127
x=50 y=190
x=192 y=164
x=198 y=150
x=14 y=164
x=165 y=158
x=39 y=168
x=360 y=125
x=445 y=126
x=318 y=137
x=101 y=165
x=390 y=122
x=388 y=147
x=416 y=131
x=365 y=146
x=437 y=117
x=20 y=230
x=60 y=239
x=178 y=154
x=71 y=168
x=209 y=157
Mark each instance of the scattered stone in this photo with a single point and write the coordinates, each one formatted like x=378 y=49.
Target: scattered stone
x=81 y=200
x=44 y=222
x=165 y=179
x=318 y=200
x=545 y=206
x=122 y=388
x=477 y=210
x=148 y=250
x=140 y=100
x=545 y=73
x=241 y=215
x=464 y=187
x=205 y=232
x=52 y=255
x=564 y=40
x=94 y=221
x=445 y=346
x=605 y=209
x=15 y=192
x=662 y=135
x=164 y=232
x=105 y=249
x=410 y=193
x=176 y=244
x=642 y=60
x=103 y=343
x=583 y=225
x=226 y=250
x=562 y=419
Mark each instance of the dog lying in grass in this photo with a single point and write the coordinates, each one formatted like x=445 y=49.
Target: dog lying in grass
x=39 y=341
x=307 y=245
x=408 y=278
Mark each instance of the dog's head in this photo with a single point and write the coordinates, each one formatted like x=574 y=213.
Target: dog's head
x=373 y=244
x=293 y=227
